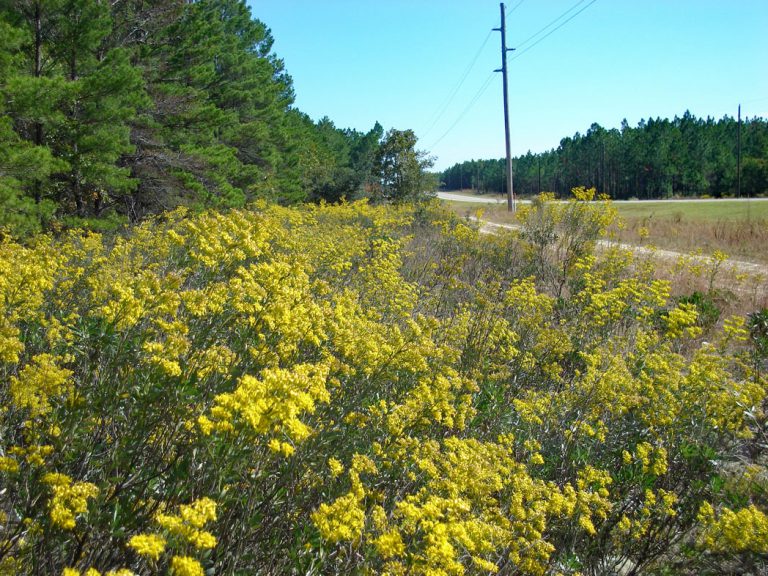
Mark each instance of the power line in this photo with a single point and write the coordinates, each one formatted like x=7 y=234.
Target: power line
x=515 y=7
x=487 y=81
x=447 y=102
x=521 y=52
x=472 y=102
x=552 y=23
x=444 y=106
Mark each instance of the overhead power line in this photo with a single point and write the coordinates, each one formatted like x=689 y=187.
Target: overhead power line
x=548 y=34
x=488 y=80
x=515 y=7
x=552 y=23
x=447 y=102
x=469 y=106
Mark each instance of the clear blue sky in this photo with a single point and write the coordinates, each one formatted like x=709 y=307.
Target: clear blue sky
x=399 y=61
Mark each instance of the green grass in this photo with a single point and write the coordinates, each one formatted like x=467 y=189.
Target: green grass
x=693 y=210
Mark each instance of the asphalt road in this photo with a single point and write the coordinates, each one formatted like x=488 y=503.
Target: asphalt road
x=495 y=200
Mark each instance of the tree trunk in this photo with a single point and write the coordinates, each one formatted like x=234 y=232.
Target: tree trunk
x=38 y=135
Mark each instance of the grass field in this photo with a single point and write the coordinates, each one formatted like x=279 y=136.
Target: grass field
x=734 y=210
x=738 y=228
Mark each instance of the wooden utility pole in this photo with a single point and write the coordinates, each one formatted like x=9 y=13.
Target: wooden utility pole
x=539 y=165
x=738 y=156
x=511 y=204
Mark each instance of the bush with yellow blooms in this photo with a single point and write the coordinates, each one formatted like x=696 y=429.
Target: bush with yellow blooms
x=361 y=389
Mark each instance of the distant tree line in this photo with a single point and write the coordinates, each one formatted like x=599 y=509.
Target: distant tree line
x=686 y=156
x=114 y=110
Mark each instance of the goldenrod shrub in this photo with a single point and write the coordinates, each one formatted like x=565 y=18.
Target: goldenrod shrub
x=368 y=390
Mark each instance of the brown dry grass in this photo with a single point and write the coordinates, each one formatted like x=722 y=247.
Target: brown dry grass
x=740 y=239
x=736 y=289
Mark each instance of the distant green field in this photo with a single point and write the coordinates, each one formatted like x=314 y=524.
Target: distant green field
x=685 y=210
x=696 y=210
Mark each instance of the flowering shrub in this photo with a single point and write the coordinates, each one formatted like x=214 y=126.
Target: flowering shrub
x=358 y=389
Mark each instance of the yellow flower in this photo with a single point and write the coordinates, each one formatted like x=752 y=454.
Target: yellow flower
x=69 y=499
x=8 y=465
x=342 y=520
x=336 y=467
x=38 y=381
x=390 y=544
x=150 y=545
x=186 y=566
x=199 y=512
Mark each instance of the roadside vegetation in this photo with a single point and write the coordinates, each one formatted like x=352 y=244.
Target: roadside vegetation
x=357 y=389
x=235 y=340
x=738 y=228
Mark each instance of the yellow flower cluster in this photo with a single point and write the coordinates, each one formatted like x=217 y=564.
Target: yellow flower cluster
x=94 y=572
x=272 y=403
x=149 y=545
x=37 y=382
x=729 y=531
x=68 y=500
x=653 y=460
x=186 y=566
x=187 y=524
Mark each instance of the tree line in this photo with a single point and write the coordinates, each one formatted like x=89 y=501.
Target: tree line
x=111 y=111
x=659 y=158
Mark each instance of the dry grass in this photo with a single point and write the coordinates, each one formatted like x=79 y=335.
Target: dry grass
x=740 y=239
x=736 y=289
x=496 y=213
x=686 y=227
x=739 y=289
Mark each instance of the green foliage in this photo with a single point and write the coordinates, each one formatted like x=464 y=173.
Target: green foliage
x=360 y=389
x=758 y=334
x=685 y=156
x=754 y=177
x=139 y=107
x=706 y=306
x=401 y=169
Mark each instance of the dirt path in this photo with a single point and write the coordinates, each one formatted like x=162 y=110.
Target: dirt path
x=736 y=266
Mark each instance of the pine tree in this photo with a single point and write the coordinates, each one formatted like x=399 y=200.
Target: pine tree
x=70 y=99
x=26 y=164
x=102 y=94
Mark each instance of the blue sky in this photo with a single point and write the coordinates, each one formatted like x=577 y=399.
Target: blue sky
x=399 y=62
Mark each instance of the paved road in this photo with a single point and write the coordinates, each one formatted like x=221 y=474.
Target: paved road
x=496 y=200
x=461 y=198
